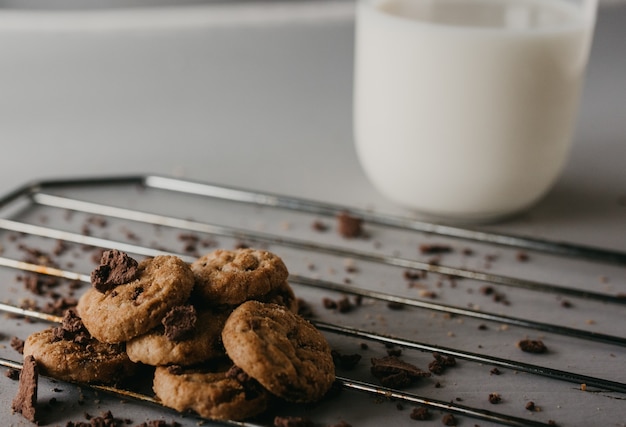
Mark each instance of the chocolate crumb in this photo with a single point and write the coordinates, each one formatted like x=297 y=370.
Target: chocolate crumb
x=349 y=226
x=421 y=414
x=158 y=423
x=319 y=226
x=495 y=371
x=72 y=329
x=449 y=420
x=436 y=368
x=441 y=362
x=25 y=401
x=494 y=398
x=107 y=419
x=12 y=374
x=532 y=346
x=435 y=248
x=329 y=303
x=17 y=344
x=522 y=256
x=530 y=406
x=413 y=275
x=180 y=322
x=292 y=422
x=396 y=373
x=116 y=268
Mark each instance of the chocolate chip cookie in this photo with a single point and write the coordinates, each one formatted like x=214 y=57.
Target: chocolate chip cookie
x=226 y=277
x=68 y=352
x=130 y=309
x=281 y=350
x=210 y=392
x=203 y=343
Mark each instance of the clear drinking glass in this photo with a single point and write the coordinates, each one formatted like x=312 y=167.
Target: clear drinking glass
x=465 y=109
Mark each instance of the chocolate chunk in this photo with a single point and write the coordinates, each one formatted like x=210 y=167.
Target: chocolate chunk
x=25 y=401
x=393 y=372
x=72 y=329
x=116 y=268
x=180 y=322
x=349 y=226
x=532 y=346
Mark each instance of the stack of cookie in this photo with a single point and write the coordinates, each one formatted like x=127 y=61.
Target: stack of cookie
x=222 y=333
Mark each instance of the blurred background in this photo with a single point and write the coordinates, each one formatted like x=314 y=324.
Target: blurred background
x=250 y=93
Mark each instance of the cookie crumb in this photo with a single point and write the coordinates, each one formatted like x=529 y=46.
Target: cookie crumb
x=449 y=420
x=17 y=344
x=494 y=398
x=319 y=226
x=532 y=346
x=530 y=406
x=25 y=402
x=349 y=226
x=441 y=362
x=420 y=414
x=12 y=374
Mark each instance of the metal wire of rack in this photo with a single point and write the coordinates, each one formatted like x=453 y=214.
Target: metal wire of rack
x=149 y=215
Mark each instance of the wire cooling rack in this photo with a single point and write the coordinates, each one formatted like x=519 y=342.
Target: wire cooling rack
x=402 y=287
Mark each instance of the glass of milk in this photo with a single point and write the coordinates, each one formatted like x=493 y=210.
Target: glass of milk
x=464 y=109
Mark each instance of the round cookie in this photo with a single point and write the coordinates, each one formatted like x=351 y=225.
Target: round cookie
x=205 y=343
x=281 y=350
x=134 y=308
x=210 y=393
x=89 y=361
x=231 y=277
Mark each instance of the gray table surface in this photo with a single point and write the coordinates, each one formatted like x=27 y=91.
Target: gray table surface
x=259 y=96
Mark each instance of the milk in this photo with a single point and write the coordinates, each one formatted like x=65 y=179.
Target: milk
x=465 y=109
